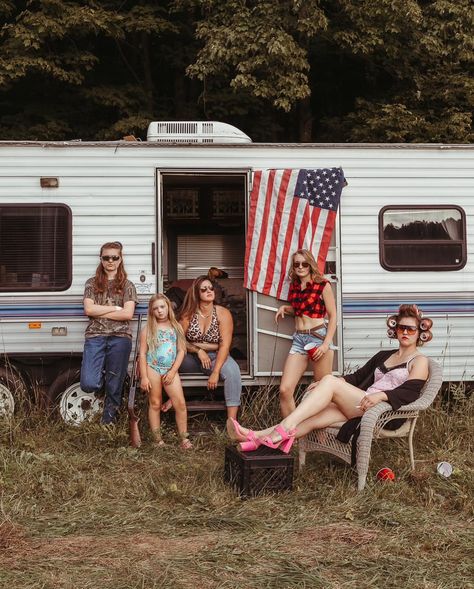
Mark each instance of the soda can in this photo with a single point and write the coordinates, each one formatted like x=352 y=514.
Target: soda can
x=385 y=474
x=444 y=469
x=310 y=349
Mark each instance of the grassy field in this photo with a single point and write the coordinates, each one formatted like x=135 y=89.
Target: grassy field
x=81 y=509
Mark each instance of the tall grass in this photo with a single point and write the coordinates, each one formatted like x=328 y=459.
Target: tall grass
x=80 y=508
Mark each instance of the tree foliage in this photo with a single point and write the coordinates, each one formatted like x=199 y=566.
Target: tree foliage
x=321 y=70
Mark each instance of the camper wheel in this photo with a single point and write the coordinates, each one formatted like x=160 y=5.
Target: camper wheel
x=74 y=405
x=11 y=385
x=13 y=390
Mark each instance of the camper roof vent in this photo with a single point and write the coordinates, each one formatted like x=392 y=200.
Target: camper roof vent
x=195 y=132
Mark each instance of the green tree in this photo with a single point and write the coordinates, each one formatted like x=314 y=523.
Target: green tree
x=286 y=70
x=410 y=67
x=79 y=68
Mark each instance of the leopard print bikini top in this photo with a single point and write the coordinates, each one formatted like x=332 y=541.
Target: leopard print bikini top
x=211 y=336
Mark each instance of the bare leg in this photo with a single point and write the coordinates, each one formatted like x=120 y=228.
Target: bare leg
x=293 y=370
x=323 y=366
x=329 y=401
x=325 y=418
x=176 y=395
x=166 y=406
x=232 y=412
x=154 y=403
x=330 y=389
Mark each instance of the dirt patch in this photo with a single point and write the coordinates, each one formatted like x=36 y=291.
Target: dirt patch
x=11 y=535
x=339 y=533
x=99 y=548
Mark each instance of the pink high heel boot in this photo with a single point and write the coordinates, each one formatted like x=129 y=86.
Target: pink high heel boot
x=287 y=439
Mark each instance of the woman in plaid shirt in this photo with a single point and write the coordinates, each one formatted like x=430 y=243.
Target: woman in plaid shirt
x=311 y=300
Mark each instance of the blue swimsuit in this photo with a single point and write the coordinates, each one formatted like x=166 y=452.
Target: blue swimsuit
x=162 y=357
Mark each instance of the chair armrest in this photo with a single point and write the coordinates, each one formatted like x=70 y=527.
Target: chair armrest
x=370 y=417
x=375 y=419
x=378 y=416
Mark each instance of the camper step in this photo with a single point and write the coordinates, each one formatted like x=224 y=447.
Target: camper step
x=205 y=405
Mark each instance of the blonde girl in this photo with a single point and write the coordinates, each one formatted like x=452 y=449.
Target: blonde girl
x=162 y=349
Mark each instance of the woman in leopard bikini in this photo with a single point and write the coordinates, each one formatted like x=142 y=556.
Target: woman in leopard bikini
x=208 y=329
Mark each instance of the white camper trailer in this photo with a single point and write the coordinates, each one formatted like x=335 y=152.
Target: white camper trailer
x=179 y=203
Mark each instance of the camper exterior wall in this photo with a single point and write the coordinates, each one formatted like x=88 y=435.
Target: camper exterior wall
x=110 y=188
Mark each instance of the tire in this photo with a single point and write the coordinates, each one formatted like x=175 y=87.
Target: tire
x=12 y=386
x=74 y=406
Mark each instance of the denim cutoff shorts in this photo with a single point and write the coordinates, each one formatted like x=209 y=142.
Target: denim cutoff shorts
x=301 y=339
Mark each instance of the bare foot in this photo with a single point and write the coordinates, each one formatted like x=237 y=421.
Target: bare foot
x=166 y=406
x=235 y=431
x=186 y=444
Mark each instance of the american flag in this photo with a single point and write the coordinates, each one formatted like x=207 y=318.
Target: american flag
x=289 y=209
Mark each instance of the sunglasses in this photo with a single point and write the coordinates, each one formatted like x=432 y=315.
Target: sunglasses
x=110 y=258
x=302 y=264
x=204 y=288
x=408 y=328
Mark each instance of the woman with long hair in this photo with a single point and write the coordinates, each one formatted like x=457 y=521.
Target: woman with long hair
x=109 y=302
x=208 y=329
x=311 y=300
x=162 y=349
x=396 y=377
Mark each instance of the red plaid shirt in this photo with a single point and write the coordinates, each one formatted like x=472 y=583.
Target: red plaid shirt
x=309 y=300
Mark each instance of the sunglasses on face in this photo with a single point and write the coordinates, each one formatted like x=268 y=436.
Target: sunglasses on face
x=302 y=264
x=110 y=258
x=204 y=288
x=408 y=328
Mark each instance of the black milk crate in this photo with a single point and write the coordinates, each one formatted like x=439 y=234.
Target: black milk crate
x=260 y=471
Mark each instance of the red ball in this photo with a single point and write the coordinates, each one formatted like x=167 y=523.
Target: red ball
x=386 y=474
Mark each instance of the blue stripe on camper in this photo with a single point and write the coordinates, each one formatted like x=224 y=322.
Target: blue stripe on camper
x=52 y=310
x=388 y=306
x=349 y=307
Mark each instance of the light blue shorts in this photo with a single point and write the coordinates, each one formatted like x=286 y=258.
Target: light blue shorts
x=301 y=339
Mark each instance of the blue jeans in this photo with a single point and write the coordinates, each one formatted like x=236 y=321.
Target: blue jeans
x=229 y=373
x=105 y=362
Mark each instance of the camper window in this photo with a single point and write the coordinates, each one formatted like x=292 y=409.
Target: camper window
x=422 y=238
x=35 y=247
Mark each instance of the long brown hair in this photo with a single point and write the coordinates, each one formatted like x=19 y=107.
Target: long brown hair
x=152 y=323
x=314 y=272
x=192 y=298
x=101 y=280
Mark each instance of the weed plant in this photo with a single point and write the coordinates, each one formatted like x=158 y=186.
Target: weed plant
x=81 y=509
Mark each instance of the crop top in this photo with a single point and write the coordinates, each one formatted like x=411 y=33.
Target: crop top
x=403 y=394
x=309 y=300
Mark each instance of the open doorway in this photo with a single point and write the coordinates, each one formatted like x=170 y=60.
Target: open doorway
x=204 y=227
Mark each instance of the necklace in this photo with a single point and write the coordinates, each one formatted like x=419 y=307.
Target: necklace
x=204 y=316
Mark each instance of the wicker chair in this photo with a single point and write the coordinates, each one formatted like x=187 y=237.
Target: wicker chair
x=371 y=427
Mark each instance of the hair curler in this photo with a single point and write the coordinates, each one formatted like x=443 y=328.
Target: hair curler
x=426 y=324
x=392 y=321
x=425 y=336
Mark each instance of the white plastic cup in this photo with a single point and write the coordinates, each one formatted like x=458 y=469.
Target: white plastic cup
x=444 y=469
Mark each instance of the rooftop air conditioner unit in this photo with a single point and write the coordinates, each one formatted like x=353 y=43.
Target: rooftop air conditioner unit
x=195 y=132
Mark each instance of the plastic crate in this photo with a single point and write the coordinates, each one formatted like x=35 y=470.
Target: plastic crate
x=262 y=471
